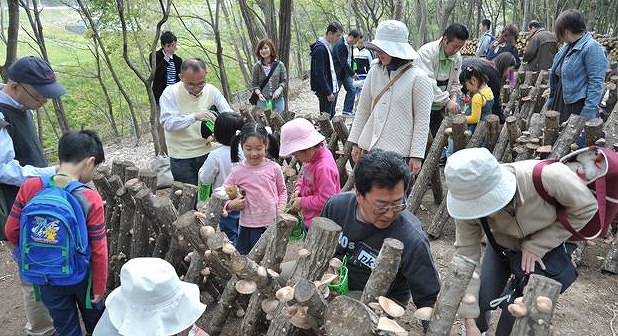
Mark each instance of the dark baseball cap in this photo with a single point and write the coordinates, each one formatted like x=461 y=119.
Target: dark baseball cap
x=38 y=73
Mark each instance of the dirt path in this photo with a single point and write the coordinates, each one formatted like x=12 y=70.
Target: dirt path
x=589 y=307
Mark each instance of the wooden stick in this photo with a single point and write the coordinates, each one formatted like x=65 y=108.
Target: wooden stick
x=429 y=165
x=347 y=316
x=384 y=272
x=610 y=264
x=493 y=128
x=458 y=128
x=325 y=125
x=459 y=275
x=552 y=127
x=593 y=129
x=562 y=147
x=149 y=178
x=537 y=321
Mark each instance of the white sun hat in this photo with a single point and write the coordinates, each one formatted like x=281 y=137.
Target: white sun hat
x=152 y=300
x=478 y=185
x=392 y=38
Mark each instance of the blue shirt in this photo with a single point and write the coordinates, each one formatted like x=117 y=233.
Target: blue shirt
x=11 y=172
x=583 y=76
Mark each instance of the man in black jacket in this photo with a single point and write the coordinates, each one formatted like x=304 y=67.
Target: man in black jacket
x=323 y=77
x=167 y=64
x=343 y=58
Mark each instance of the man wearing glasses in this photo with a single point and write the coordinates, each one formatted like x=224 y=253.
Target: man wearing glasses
x=31 y=82
x=182 y=105
x=374 y=212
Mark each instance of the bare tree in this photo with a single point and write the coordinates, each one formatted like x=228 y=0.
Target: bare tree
x=34 y=17
x=422 y=22
x=10 y=40
x=147 y=78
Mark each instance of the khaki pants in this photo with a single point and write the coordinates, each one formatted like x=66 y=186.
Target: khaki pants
x=38 y=321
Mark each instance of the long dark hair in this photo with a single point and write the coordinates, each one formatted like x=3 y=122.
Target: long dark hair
x=473 y=71
x=502 y=62
x=253 y=129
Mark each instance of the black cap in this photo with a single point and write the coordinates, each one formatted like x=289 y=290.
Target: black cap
x=38 y=73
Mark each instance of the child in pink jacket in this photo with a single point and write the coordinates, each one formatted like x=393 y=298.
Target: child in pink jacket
x=319 y=177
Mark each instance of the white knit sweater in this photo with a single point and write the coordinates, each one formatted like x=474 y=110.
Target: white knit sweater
x=400 y=120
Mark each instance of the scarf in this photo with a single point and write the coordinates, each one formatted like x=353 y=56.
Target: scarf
x=332 y=66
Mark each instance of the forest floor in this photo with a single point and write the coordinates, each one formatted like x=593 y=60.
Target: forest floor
x=588 y=307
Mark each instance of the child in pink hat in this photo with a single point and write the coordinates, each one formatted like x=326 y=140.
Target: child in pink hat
x=319 y=177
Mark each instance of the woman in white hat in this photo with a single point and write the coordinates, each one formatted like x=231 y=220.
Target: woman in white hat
x=395 y=104
x=151 y=301
x=523 y=233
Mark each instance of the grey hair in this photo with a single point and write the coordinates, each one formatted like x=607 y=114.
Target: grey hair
x=193 y=65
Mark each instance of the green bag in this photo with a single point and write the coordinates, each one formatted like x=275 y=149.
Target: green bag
x=299 y=230
x=341 y=287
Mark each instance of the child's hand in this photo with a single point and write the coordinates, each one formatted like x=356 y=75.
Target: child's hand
x=295 y=203
x=97 y=298
x=237 y=203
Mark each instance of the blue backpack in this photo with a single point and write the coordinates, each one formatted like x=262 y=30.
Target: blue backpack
x=53 y=244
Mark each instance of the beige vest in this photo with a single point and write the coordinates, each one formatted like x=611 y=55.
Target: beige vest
x=188 y=142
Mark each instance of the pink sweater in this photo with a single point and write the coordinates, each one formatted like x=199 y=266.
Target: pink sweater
x=264 y=189
x=319 y=180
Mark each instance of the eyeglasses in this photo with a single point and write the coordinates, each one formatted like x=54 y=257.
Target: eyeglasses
x=394 y=208
x=190 y=86
x=39 y=98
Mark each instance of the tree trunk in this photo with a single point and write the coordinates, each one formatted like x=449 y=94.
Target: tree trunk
x=12 y=37
x=460 y=273
x=384 y=272
x=214 y=19
x=450 y=5
x=422 y=26
x=285 y=39
x=254 y=31
x=537 y=321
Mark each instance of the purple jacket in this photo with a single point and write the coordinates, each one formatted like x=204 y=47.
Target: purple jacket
x=319 y=180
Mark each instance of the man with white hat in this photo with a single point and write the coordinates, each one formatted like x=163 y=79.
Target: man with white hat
x=395 y=103
x=441 y=60
x=522 y=229
x=151 y=301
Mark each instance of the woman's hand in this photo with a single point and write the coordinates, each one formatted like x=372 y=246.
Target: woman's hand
x=357 y=152
x=96 y=298
x=415 y=165
x=261 y=97
x=237 y=203
x=277 y=93
x=528 y=259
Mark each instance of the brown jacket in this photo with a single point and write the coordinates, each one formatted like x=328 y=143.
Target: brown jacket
x=540 y=50
x=528 y=222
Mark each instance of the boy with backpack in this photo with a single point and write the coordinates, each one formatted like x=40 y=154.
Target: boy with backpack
x=57 y=225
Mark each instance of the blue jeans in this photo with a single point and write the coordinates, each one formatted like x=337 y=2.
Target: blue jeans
x=327 y=106
x=62 y=302
x=350 y=93
x=186 y=170
x=229 y=225
x=278 y=104
x=247 y=237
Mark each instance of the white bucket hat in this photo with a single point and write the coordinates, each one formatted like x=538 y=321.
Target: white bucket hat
x=477 y=184
x=298 y=134
x=392 y=38
x=152 y=300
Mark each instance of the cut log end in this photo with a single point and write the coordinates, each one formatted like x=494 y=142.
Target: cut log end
x=245 y=286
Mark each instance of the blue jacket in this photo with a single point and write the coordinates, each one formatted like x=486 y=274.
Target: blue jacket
x=321 y=78
x=583 y=74
x=340 y=59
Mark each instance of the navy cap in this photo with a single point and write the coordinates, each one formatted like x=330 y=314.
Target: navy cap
x=36 y=72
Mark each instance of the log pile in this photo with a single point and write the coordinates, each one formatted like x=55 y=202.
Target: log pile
x=609 y=42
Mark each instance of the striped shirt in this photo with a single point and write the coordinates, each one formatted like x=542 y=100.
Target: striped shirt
x=171 y=72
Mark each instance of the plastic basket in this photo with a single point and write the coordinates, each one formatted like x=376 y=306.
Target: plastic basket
x=341 y=287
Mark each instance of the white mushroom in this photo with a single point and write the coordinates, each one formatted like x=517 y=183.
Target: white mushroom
x=240 y=312
x=200 y=215
x=269 y=306
x=261 y=271
x=390 y=307
x=205 y=271
x=228 y=248
x=304 y=253
x=245 y=286
x=272 y=273
x=424 y=313
x=375 y=307
x=468 y=298
x=335 y=263
x=544 y=304
x=518 y=309
x=207 y=254
x=178 y=192
x=188 y=256
x=207 y=231
x=285 y=294
x=518 y=300
x=386 y=324
x=300 y=319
